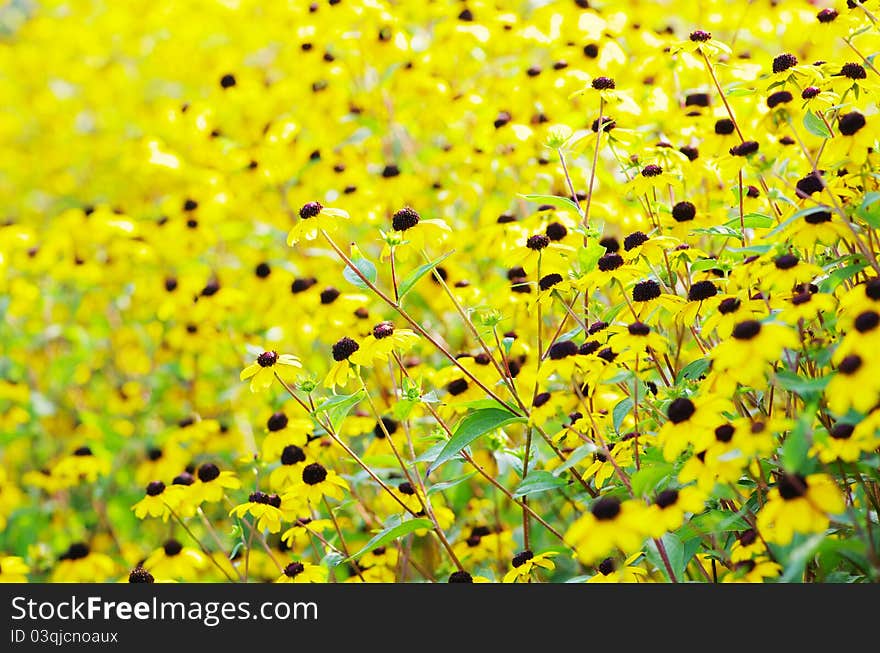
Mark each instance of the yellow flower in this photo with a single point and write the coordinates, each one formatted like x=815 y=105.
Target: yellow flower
x=293 y=459
x=382 y=341
x=746 y=356
x=302 y=572
x=316 y=482
x=300 y=535
x=81 y=465
x=412 y=232
x=667 y=512
x=159 y=501
x=752 y=571
x=525 y=562
x=854 y=385
x=210 y=484
x=701 y=42
x=314 y=218
x=691 y=422
x=13 y=570
x=847 y=442
x=264 y=369
x=343 y=369
x=611 y=572
x=264 y=508
x=799 y=504
x=79 y=564
x=174 y=561
x=610 y=524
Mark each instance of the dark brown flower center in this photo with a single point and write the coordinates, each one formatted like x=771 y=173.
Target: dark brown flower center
x=314 y=474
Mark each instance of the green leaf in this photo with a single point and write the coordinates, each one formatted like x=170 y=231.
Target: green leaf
x=589 y=256
x=392 y=533
x=470 y=428
x=752 y=221
x=678 y=554
x=804 y=388
x=720 y=230
x=694 y=370
x=795 y=449
x=445 y=485
x=816 y=126
x=705 y=264
x=403 y=408
x=409 y=283
x=648 y=477
x=797 y=214
x=739 y=92
x=869 y=209
x=712 y=522
x=830 y=284
x=621 y=410
x=338 y=407
x=555 y=200
x=576 y=456
x=366 y=268
x=797 y=561
x=538 y=481
x=477 y=404
x=432 y=452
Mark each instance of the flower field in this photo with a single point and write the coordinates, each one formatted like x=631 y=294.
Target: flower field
x=440 y=291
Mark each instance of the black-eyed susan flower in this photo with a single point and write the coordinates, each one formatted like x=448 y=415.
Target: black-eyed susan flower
x=410 y=231
x=140 y=575
x=313 y=219
x=264 y=508
x=786 y=271
x=302 y=572
x=691 y=421
x=648 y=299
x=746 y=356
x=818 y=226
x=610 y=570
x=303 y=530
x=846 y=441
x=384 y=339
x=854 y=385
x=404 y=495
x=807 y=306
x=611 y=267
x=293 y=459
x=343 y=369
x=316 y=482
x=603 y=467
x=463 y=576
x=799 y=504
x=532 y=248
x=747 y=545
x=729 y=311
x=700 y=42
x=753 y=570
x=175 y=561
x=670 y=507
x=263 y=370
x=81 y=465
x=610 y=523
x=80 y=564
x=159 y=501
x=282 y=431
x=211 y=483
x=651 y=178
x=856 y=135
x=525 y=563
